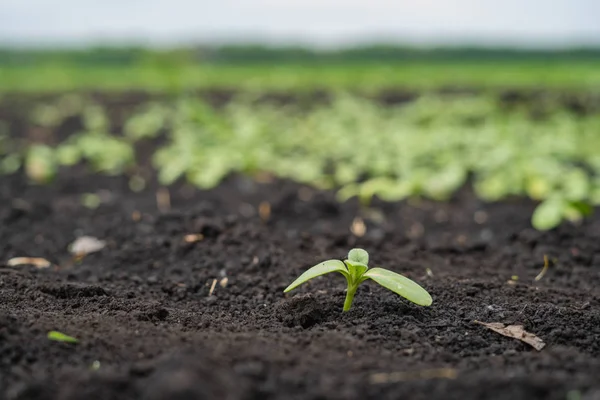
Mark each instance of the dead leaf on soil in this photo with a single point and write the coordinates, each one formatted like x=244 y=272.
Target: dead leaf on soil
x=358 y=227
x=85 y=245
x=516 y=332
x=193 y=237
x=36 y=262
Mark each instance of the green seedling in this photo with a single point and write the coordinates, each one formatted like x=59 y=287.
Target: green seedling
x=61 y=337
x=356 y=271
x=40 y=163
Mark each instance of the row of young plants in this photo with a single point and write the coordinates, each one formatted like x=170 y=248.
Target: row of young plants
x=427 y=148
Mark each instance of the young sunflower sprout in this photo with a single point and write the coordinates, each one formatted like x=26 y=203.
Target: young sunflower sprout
x=355 y=269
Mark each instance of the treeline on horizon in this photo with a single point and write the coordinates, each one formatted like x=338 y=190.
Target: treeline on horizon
x=258 y=54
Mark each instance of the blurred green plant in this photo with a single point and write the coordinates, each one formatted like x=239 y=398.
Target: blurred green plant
x=430 y=148
x=147 y=123
x=40 y=163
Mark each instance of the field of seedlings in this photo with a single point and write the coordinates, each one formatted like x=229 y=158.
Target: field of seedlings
x=147 y=237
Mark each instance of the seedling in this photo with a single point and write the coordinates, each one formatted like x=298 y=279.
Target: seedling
x=356 y=271
x=61 y=337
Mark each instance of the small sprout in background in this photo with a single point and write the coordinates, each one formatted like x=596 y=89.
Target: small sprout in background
x=40 y=163
x=552 y=211
x=10 y=163
x=137 y=183
x=105 y=153
x=95 y=119
x=548 y=214
x=10 y=156
x=61 y=337
x=146 y=124
x=544 y=270
x=95 y=366
x=68 y=154
x=356 y=271
x=46 y=115
x=91 y=200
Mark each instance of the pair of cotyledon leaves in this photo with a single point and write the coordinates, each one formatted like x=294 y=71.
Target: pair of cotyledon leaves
x=356 y=271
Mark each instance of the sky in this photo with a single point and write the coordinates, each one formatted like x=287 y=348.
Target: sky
x=324 y=23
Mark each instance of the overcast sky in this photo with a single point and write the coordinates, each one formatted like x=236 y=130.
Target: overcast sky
x=317 y=22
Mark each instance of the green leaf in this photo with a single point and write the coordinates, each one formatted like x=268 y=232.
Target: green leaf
x=358 y=256
x=401 y=285
x=347 y=192
x=40 y=164
x=146 y=124
x=356 y=269
x=9 y=164
x=91 y=200
x=584 y=208
x=441 y=185
x=538 y=188
x=171 y=170
x=61 y=337
x=68 y=154
x=548 y=214
x=320 y=269
x=574 y=211
x=576 y=185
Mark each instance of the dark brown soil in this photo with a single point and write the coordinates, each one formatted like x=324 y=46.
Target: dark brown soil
x=142 y=306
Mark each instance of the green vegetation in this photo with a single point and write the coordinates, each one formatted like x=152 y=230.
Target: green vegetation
x=428 y=148
x=355 y=269
x=255 y=67
x=303 y=77
x=261 y=54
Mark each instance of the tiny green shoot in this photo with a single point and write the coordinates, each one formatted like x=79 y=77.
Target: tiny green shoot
x=355 y=269
x=61 y=337
x=91 y=200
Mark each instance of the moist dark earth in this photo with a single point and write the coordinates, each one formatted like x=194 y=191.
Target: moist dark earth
x=150 y=327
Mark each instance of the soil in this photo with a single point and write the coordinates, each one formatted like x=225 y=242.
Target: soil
x=160 y=318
